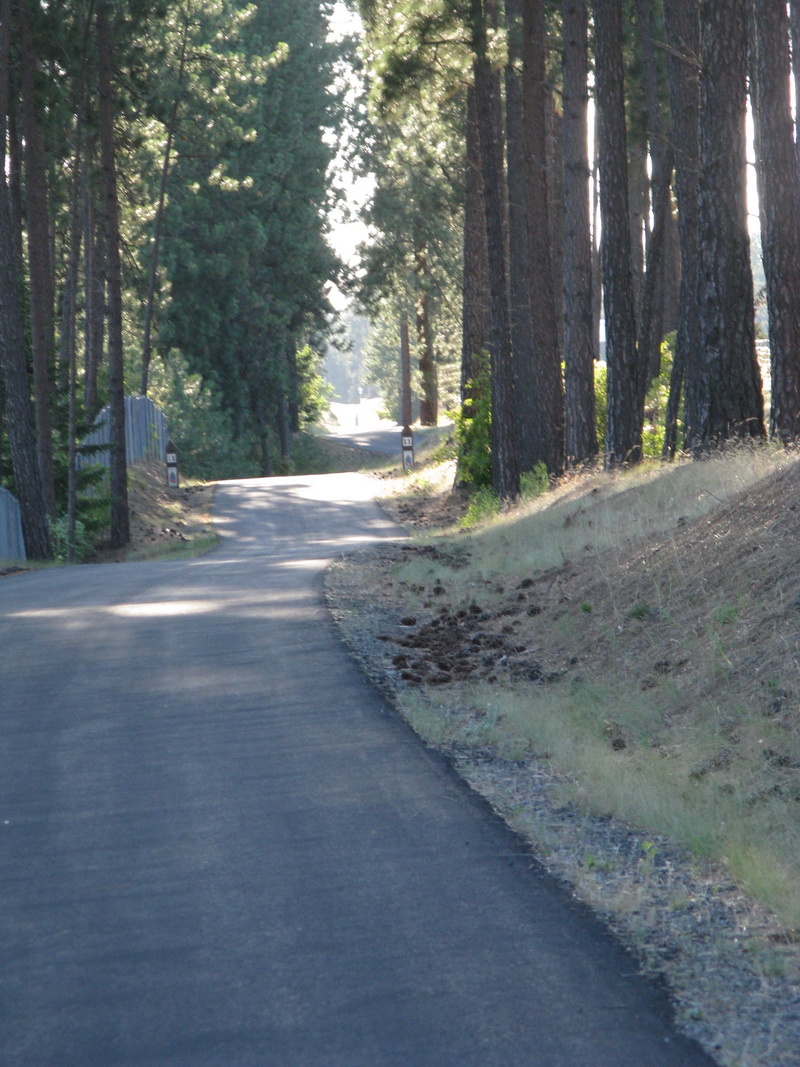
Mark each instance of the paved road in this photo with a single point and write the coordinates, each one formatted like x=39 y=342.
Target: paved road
x=384 y=439
x=219 y=847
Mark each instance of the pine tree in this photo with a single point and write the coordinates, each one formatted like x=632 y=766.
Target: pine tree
x=728 y=401
x=624 y=419
x=780 y=212
x=579 y=355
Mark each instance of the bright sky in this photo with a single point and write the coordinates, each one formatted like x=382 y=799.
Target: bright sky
x=346 y=236
x=344 y=21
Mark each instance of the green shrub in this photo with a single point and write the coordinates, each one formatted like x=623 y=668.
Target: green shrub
x=600 y=403
x=483 y=505
x=534 y=482
x=204 y=432
x=60 y=539
x=655 y=404
x=473 y=429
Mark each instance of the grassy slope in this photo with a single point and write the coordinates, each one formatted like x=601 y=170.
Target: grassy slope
x=663 y=611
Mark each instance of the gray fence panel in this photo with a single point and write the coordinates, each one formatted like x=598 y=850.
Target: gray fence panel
x=145 y=433
x=12 y=544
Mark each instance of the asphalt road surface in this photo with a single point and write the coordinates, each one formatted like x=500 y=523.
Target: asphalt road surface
x=218 y=846
x=360 y=426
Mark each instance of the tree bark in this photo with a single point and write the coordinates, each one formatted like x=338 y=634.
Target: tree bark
x=263 y=438
x=638 y=207
x=505 y=463
x=406 y=414
x=95 y=297
x=579 y=355
x=285 y=430
x=429 y=401
x=68 y=335
x=529 y=412
x=624 y=410
x=547 y=379
x=682 y=24
x=651 y=316
x=5 y=60
x=794 y=29
x=21 y=431
x=159 y=219
x=42 y=292
x=728 y=401
x=120 y=518
x=476 y=312
x=780 y=238
x=5 y=70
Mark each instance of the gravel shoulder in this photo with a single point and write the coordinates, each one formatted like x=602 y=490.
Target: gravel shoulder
x=731 y=969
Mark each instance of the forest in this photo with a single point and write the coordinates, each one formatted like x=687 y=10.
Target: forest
x=609 y=162
x=560 y=229
x=163 y=204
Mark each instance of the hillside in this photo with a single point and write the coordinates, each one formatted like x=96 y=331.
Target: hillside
x=616 y=667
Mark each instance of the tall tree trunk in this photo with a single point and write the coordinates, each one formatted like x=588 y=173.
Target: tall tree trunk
x=780 y=239
x=638 y=207
x=505 y=462
x=16 y=394
x=554 y=120
x=624 y=410
x=651 y=316
x=21 y=432
x=729 y=401
x=285 y=430
x=263 y=438
x=159 y=219
x=794 y=29
x=581 y=434
x=69 y=344
x=5 y=59
x=5 y=71
x=547 y=380
x=15 y=168
x=429 y=401
x=672 y=266
x=597 y=273
x=95 y=297
x=476 y=312
x=68 y=355
x=120 y=518
x=406 y=414
x=39 y=258
x=529 y=412
x=682 y=24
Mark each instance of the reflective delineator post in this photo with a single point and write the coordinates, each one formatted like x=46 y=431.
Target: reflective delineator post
x=172 y=465
x=407 y=439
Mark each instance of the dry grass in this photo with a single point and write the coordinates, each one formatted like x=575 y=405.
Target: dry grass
x=165 y=522
x=667 y=622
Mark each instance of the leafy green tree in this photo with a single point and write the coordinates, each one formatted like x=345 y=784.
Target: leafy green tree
x=244 y=247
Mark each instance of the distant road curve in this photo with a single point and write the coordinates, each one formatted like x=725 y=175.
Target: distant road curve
x=360 y=426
